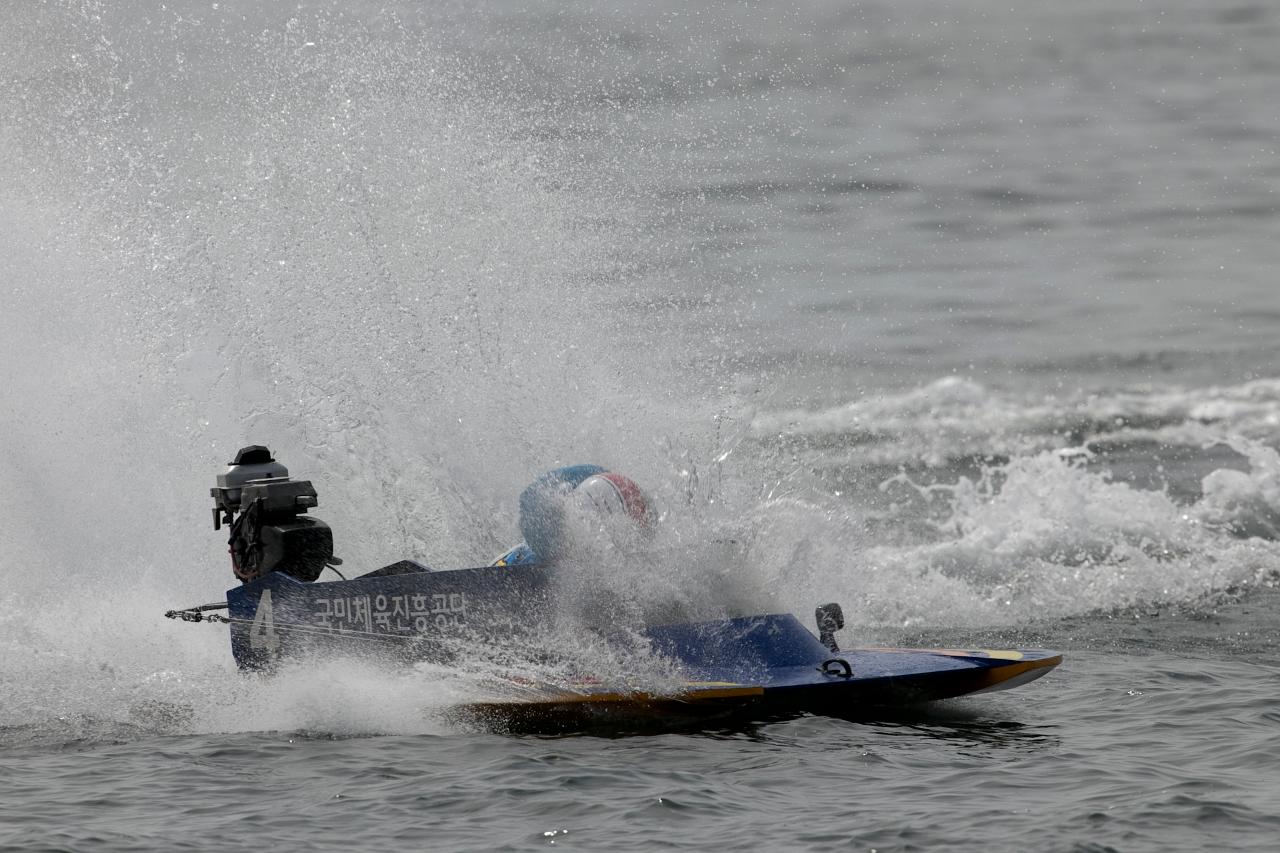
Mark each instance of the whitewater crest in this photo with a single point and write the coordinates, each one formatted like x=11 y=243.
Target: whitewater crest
x=956 y=418
x=1044 y=536
x=958 y=504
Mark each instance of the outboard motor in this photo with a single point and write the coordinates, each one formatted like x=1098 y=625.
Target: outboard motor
x=266 y=512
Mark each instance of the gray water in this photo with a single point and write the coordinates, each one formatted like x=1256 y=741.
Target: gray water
x=961 y=315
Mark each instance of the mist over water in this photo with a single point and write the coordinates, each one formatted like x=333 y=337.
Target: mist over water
x=315 y=232
x=327 y=241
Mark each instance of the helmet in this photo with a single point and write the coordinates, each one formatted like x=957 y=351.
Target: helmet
x=580 y=487
x=612 y=494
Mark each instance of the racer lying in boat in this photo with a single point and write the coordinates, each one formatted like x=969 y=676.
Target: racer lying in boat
x=266 y=512
x=553 y=507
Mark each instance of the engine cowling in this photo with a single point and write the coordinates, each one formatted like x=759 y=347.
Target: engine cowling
x=266 y=511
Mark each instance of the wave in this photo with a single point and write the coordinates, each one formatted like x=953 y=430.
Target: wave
x=955 y=418
x=969 y=506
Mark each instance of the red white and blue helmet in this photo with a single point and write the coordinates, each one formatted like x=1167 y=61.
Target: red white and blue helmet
x=591 y=487
x=613 y=495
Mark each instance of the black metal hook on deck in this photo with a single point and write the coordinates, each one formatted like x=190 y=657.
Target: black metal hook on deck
x=836 y=667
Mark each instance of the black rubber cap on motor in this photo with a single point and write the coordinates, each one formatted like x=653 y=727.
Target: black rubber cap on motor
x=254 y=454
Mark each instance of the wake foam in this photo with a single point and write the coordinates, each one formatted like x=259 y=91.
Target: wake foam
x=978 y=507
x=1043 y=536
x=1244 y=503
x=956 y=418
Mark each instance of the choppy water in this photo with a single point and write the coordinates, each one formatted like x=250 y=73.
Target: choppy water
x=962 y=316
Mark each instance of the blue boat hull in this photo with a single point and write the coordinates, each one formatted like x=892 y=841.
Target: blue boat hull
x=755 y=666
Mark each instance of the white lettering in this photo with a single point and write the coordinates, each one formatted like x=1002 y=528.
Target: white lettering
x=262 y=632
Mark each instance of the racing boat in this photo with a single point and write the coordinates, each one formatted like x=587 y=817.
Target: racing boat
x=749 y=667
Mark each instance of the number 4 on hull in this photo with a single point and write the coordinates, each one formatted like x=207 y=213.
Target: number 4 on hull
x=262 y=633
